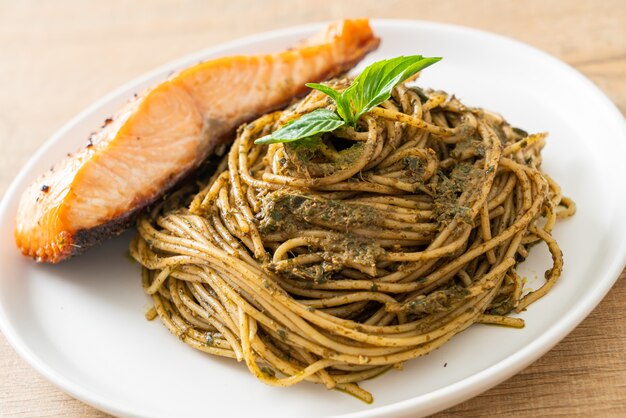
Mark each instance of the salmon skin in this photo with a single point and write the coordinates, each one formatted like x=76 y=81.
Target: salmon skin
x=161 y=136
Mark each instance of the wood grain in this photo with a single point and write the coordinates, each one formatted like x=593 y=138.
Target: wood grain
x=58 y=57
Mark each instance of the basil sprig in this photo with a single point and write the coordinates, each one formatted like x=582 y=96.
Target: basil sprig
x=369 y=89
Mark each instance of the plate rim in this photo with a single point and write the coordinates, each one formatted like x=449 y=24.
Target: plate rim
x=449 y=395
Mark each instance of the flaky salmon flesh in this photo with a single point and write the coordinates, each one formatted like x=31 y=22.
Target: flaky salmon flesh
x=162 y=135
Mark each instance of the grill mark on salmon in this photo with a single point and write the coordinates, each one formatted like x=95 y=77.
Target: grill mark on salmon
x=161 y=136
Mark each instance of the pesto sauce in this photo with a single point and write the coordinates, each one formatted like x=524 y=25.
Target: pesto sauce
x=437 y=301
x=289 y=212
x=307 y=156
x=449 y=188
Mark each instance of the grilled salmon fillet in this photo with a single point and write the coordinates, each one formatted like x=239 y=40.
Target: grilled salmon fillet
x=160 y=136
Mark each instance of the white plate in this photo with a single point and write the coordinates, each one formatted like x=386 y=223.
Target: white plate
x=81 y=324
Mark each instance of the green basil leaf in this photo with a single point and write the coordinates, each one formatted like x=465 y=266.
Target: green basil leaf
x=343 y=108
x=374 y=85
x=329 y=91
x=369 y=89
x=316 y=122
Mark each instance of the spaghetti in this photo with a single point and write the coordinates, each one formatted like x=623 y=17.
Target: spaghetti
x=335 y=258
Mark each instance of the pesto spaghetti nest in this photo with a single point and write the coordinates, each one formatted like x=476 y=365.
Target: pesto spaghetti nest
x=336 y=257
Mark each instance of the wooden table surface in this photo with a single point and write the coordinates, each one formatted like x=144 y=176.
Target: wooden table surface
x=58 y=57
